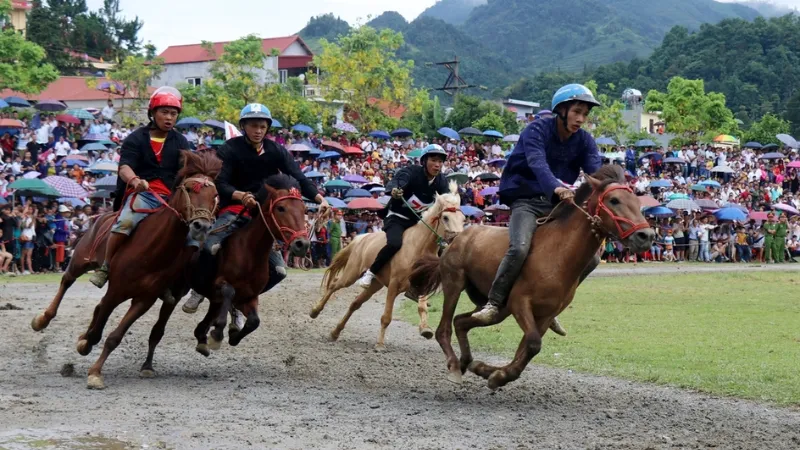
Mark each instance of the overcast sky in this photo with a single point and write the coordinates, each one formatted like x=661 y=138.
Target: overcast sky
x=187 y=22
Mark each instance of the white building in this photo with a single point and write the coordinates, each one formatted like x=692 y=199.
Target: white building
x=192 y=63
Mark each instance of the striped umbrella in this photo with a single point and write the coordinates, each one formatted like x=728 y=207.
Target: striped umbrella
x=80 y=114
x=683 y=203
x=707 y=204
x=108 y=183
x=66 y=187
x=346 y=127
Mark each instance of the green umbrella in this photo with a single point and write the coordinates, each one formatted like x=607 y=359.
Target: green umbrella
x=217 y=142
x=33 y=186
x=337 y=184
x=414 y=153
x=460 y=178
x=80 y=114
x=677 y=197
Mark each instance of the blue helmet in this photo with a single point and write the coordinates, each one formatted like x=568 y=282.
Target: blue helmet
x=255 y=111
x=433 y=149
x=573 y=92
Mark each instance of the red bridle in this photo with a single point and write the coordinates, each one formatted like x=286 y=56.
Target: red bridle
x=451 y=209
x=288 y=234
x=618 y=221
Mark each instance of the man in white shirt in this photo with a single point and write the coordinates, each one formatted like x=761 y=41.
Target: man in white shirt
x=108 y=111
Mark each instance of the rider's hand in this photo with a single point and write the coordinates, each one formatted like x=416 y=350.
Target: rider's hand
x=324 y=206
x=141 y=185
x=397 y=193
x=564 y=193
x=249 y=201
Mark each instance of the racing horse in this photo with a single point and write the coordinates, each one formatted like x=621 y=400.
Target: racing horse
x=147 y=262
x=443 y=218
x=562 y=251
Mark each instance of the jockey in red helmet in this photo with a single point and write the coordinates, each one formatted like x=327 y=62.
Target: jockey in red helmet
x=148 y=166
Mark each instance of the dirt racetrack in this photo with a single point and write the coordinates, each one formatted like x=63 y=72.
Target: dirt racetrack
x=286 y=386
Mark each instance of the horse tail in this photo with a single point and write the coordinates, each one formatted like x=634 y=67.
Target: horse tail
x=339 y=262
x=426 y=276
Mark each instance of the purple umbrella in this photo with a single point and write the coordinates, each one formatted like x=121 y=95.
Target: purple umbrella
x=786 y=208
x=355 y=179
x=346 y=127
x=50 y=105
x=489 y=191
x=499 y=162
x=299 y=148
x=215 y=124
x=66 y=187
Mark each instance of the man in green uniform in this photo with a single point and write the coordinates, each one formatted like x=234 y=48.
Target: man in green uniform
x=335 y=233
x=779 y=243
x=770 y=228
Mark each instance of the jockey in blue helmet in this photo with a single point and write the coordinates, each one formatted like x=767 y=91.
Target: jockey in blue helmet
x=549 y=149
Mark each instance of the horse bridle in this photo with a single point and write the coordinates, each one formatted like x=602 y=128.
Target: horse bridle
x=192 y=211
x=288 y=234
x=600 y=206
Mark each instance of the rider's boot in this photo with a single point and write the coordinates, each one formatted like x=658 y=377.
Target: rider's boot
x=366 y=280
x=191 y=305
x=100 y=276
x=412 y=294
x=237 y=320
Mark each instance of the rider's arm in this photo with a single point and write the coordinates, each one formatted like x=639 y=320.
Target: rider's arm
x=227 y=193
x=590 y=159
x=533 y=145
x=290 y=167
x=130 y=156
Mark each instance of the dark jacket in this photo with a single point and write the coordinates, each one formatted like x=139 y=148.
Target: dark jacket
x=540 y=159
x=138 y=155
x=244 y=170
x=413 y=181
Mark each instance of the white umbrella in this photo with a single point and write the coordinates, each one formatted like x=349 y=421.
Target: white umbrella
x=722 y=169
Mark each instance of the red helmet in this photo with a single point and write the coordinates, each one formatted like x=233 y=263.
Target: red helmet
x=166 y=96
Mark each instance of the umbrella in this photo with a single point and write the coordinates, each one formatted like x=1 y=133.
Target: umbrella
x=773 y=155
x=214 y=124
x=449 y=132
x=652 y=155
x=71 y=161
x=471 y=211
x=364 y=203
x=660 y=184
x=753 y=145
x=101 y=195
x=605 y=141
x=337 y=184
x=314 y=174
x=50 y=105
x=66 y=118
x=707 y=204
x=332 y=145
x=336 y=202
x=489 y=190
x=414 y=153
x=675 y=160
x=647 y=201
x=33 y=187
x=726 y=138
x=108 y=183
x=346 y=127
x=493 y=133
x=354 y=150
x=187 y=122
x=730 y=214
x=356 y=193
x=303 y=128
x=722 y=169
x=217 y=142
x=378 y=134
x=72 y=201
x=735 y=205
x=355 y=179
x=31 y=175
x=787 y=140
x=769 y=147
x=377 y=189
x=469 y=131
x=511 y=138
x=369 y=186
x=66 y=187
x=18 y=102
x=299 y=148
x=499 y=162
x=683 y=203
x=460 y=178
x=104 y=166
x=498 y=207
x=758 y=215
x=700 y=188
x=712 y=183
x=677 y=196
x=80 y=114
x=276 y=124
x=331 y=155
x=11 y=123
x=3 y=104
x=645 y=143
x=402 y=132
x=659 y=211
x=384 y=200
x=786 y=208
x=487 y=177
x=794 y=164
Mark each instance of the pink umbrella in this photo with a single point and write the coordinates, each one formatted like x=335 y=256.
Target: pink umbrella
x=299 y=148
x=66 y=187
x=364 y=203
x=794 y=164
x=647 y=201
x=786 y=208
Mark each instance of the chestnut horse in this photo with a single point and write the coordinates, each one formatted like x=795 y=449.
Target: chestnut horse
x=562 y=250
x=444 y=216
x=241 y=266
x=147 y=262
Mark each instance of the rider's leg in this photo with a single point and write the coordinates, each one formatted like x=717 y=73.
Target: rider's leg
x=524 y=213
x=555 y=325
x=393 y=227
x=113 y=243
x=277 y=270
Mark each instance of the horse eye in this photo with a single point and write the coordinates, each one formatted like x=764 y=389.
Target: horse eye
x=614 y=201
x=281 y=209
x=446 y=219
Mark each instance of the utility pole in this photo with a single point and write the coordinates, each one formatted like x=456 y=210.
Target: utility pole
x=454 y=83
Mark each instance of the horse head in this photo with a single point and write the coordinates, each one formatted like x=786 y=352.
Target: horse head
x=283 y=212
x=445 y=215
x=197 y=199
x=615 y=209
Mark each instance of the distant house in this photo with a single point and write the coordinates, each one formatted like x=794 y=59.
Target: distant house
x=192 y=63
x=76 y=94
x=19 y=14
x=520 y=107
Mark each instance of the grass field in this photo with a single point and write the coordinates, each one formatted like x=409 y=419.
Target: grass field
x=734 y=334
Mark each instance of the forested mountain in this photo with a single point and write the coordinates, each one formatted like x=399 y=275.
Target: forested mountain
x=454 y=12
x=390 y=19
x=768 y=9
x=325 y=26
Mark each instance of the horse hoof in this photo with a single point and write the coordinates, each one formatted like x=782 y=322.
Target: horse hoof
x=95 y=382
x=147 y=373
x=188 y=309
x=380 y=348
x=203 y=350
x=497 y=380
x=333 y=337
x=426 y=332
x=473 y=366
x=214 y=344
x=39 y=323
x=314 y=313
x=83 y=347
x=455 y=377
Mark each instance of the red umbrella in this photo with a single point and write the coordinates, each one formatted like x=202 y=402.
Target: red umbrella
x=11 y=123
x=66 y=118
x=333 y=145
x=648 y=201
x=364 y=203
x=354 y=151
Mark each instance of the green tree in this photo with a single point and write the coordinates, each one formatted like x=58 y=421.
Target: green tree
x=765 y=130
x=607 y=119
x=424 y=115
x=792 y=114
x=22 y=65
x=691 y=113
x=490 y=121
x=362 y=67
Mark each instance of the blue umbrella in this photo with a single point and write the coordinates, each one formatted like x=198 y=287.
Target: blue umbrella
x=660 y=184
x=326 y=155
x=3 y=104
x=108 y=183
x=315 y=153
x=50 y=105
x=303 y=128
x=80 y=162
x=215 y=124
x=605 y=141
x=449 y=132
x=402 y=132
x=379 y=134
x=471 y=211
x=94 y=147
x=753 y=145
x=730 y=214
x=19 y=102
x=314 y=174
x=336 y=202
x=357 y=193
x=653 y=155
x=187 y=122
x=276 y=124
x=711 y=183
x=645 y=143
x=493 y=133
x=72 y=201
x=659 y=211
x=675 y=160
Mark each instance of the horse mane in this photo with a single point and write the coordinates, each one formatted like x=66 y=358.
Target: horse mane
x=279 y=181
x=607 y=174
x=201 y=163
x=443 y=201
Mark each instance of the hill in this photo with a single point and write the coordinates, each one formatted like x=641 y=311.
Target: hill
x=454 y=12
x=390 y=19
x=768 y=9
x=325 y=26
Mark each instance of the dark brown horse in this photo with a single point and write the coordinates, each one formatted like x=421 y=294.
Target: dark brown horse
x=147 y=263
x=562 y=250
x=241 y=266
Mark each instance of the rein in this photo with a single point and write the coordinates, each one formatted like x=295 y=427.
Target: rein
x=439 y=239
x=294 y=194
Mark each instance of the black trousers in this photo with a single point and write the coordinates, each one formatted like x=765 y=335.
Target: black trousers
x=394 y=227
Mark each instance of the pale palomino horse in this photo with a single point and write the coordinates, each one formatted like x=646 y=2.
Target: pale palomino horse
x=444 y=216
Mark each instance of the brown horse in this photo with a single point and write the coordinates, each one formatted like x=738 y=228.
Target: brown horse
x=562 y=250
x=241 y=266
x=444 y=216
x=147 y=263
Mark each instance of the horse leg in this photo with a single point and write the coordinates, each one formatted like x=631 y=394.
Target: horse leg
x=463 y=323
x=422 y=309
x=42 y=320
x=155 y=337
x=250 y=310
x=529 y=346
x=139 y=306
x=386 y=318
x=201 y=331
x=322 y=302
x=218 y=333
x=102 y=312
x=451 y=289
x=365 y=295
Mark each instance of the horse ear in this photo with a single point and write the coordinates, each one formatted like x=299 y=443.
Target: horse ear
x=594 y=182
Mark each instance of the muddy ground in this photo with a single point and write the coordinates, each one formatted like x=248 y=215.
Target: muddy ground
x=287 y=387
